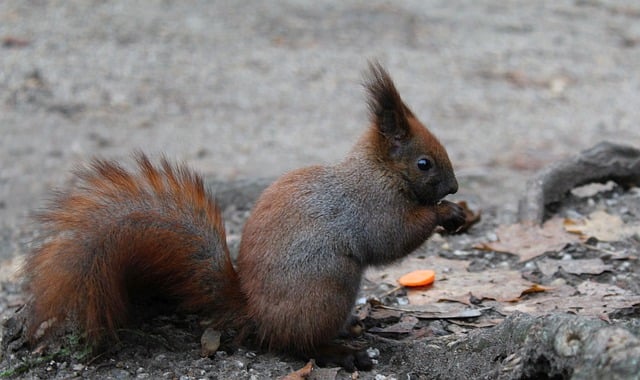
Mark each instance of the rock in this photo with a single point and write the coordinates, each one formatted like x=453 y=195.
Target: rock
x=605 y=161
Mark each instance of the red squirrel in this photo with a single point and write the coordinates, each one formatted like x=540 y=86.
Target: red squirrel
x=120 y=236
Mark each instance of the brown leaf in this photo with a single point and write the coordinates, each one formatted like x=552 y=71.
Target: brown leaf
x=302 y=373
x=404 y=326
x=385 y=315
x=14 y=42
x=589 y=299
x=497 y=284
x=528 y=240
x=535 y=288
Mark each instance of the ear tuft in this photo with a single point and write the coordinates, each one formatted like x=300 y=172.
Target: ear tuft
x=387 y=110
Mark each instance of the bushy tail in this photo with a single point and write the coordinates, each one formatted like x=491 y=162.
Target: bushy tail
x=119 y=236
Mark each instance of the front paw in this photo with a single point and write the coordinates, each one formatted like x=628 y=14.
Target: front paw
x=451 y=216
x=346 y=357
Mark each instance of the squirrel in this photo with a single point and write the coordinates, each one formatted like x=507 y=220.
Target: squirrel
x=121 y=235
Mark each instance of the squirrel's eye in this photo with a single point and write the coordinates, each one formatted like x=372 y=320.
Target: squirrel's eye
x=424 y=164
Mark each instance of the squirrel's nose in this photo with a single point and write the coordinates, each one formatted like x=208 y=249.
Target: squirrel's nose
x=453 y=186
x=446 y=187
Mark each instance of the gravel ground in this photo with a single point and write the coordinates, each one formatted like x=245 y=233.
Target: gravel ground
x=251 y=89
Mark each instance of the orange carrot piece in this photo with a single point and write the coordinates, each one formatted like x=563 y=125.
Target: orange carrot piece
x=418 y=278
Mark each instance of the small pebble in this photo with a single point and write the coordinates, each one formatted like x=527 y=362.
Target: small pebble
x=221 y=354
x=573 y=214
x=210 y=342
x=491 y=236
x=78 y=367
x=373 y=352
x=436 y=237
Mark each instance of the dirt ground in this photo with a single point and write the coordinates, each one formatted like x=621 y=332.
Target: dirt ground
x=248 y=90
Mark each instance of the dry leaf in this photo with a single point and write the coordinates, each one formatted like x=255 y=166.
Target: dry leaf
x=483 y=324
x=459 y=286
x=535 y=288
x=528 y=240
x=302 y=373
x=328 y=373
x=589 y=299
x=384 y=314
x=404 y=326
x=537 y=304
x=14 y=42
x=549 y=267
x=592 y=288
x=440 y=310
x=601 y=225
x=591 y=189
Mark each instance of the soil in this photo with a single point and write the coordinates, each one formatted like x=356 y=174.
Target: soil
x=244 y=91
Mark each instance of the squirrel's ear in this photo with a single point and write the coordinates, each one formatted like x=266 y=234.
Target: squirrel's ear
x=387 y=110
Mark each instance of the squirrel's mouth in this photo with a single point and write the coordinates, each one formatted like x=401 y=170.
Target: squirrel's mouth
x=429 y=202
x=435 y=193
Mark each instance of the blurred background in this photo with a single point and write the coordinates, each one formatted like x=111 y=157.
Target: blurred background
x=251 y=89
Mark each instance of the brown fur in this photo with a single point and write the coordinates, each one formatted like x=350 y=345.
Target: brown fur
x=120 y=235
